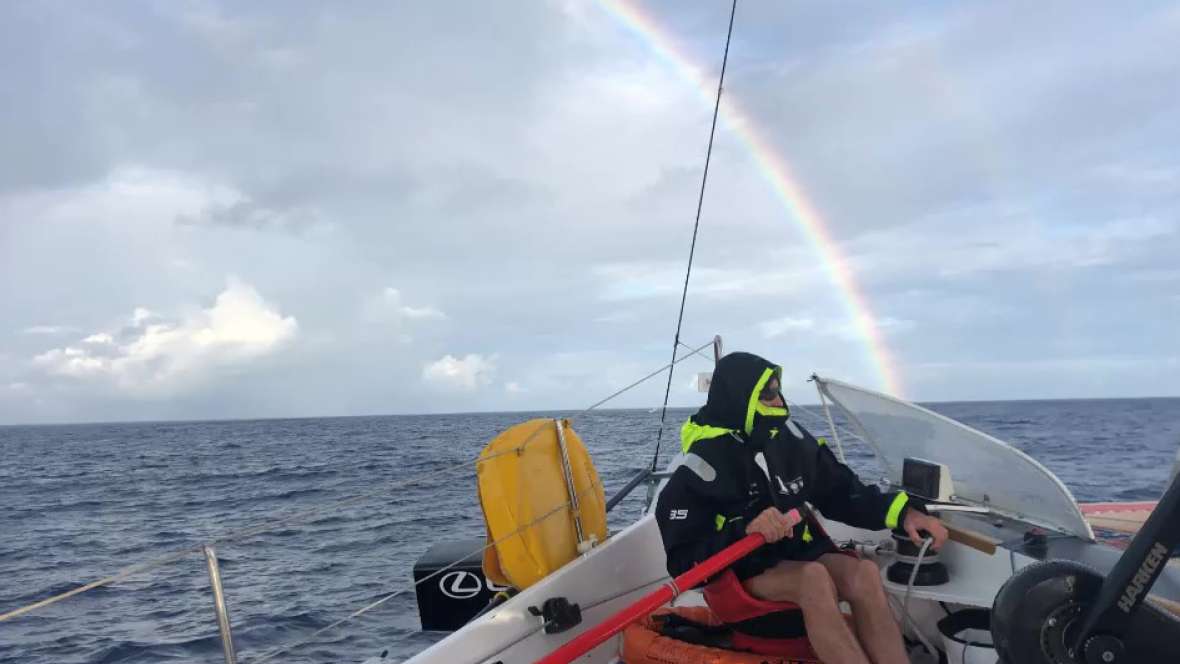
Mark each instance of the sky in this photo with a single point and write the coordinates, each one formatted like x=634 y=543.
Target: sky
x=224 y=210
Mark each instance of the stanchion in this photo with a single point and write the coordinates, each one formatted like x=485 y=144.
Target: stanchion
x=227 y=637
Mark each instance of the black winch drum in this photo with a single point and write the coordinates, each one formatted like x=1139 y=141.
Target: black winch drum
x=967 y=637
x=931 y=572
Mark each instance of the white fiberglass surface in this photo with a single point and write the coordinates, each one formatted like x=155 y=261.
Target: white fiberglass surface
x=611 y=576
x=985 y=470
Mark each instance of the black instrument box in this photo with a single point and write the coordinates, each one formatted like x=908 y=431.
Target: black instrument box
x=448 y=600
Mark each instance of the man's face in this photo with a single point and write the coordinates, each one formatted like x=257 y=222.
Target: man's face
x=770 y=395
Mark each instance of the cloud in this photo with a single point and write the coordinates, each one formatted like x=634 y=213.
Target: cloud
x=851 y=330
x=49 y=330
x=249 y=214
x=71 y=361
x=513 y=387
x=778 y=327
x=389 y=306
x=422 y=313
x=322 y=157
x=1014 y=242
x=470 y=372
x=238 y=328
x=647 y=279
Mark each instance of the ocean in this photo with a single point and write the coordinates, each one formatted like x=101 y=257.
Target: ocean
x=80 y=502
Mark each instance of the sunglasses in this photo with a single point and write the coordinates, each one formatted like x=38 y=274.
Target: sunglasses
x=768 y=393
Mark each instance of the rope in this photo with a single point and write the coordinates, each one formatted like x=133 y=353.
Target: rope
x=909 y=588
x=695 y=227
x=304 y=516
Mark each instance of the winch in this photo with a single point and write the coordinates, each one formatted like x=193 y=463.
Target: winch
x=930 y=482
x=931 y=571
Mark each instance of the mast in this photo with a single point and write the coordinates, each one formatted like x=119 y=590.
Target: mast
x=695 y=228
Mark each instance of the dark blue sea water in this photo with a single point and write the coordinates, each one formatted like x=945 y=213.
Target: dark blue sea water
x=80 y=502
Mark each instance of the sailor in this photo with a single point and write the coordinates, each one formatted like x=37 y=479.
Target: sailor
x=750 y=468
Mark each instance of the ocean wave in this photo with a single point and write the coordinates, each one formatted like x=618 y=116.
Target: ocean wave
x=284 y=584
x=129 y=652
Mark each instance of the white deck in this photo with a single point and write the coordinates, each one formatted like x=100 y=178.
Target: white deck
x=632 y=562
x=620 y=571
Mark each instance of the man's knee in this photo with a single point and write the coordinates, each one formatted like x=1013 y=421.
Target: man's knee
x=865 y=581
x=816 y=586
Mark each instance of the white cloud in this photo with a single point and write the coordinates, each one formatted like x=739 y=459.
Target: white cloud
x=646 y=280
x=422 y=313
x=470 y=372
x=246 y=213
x=238 y=328
x=852 y=330
x=780 y=326
x=1014 y=244
x=49 y=330
x=71 y=361
x=955 y=209
x=617 y=317
x=1144 y=176
x=513 y=387
x=390 y=305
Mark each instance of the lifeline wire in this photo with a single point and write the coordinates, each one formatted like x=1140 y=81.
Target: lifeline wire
x=695 y=226
x=365 y=609
x=300 y=517
x=282 y=649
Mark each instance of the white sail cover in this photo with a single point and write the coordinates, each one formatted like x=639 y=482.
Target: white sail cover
x=984 y=469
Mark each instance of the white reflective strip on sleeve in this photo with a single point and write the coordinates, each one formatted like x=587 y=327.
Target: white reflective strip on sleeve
x=794 y=429
x=760 y=459
x=698 y=465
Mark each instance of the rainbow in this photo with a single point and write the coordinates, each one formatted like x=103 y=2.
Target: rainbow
x=777 y=172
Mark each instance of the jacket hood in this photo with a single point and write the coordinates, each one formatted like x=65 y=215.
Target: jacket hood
x=733 y=392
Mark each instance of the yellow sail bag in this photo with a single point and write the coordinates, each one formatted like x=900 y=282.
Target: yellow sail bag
x=527 y=503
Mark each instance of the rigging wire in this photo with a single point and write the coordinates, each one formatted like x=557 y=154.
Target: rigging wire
x=697 y=352
x=307 y=516
x=822 y=421
x=695 y=227
x=271 y=654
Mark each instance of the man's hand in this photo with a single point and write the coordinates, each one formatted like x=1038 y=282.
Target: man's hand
x=773 y=524
x=915 y=521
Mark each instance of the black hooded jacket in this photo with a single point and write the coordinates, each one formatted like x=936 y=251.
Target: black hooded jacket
x=742 y=457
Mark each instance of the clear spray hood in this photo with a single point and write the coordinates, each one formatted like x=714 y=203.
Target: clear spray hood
x=986 y=470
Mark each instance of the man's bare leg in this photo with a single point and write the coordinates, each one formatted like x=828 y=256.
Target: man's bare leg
x=859 y=583
x=810 y=585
